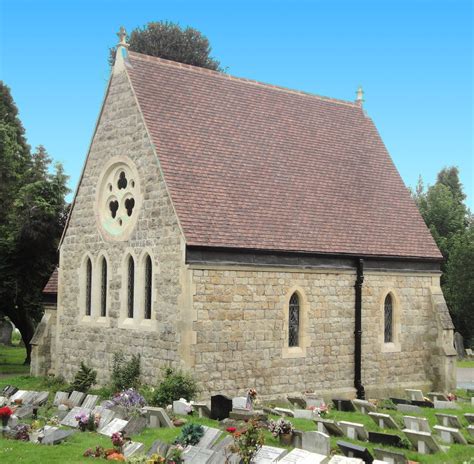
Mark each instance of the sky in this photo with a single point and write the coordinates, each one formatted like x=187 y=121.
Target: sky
x=413 y=58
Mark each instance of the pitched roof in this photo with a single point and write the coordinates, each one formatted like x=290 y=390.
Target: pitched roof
x=52 y=285
x=250 y=165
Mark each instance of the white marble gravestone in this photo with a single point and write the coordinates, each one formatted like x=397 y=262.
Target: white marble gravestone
x=418 y=424
x=415 y=395
x=268 y=455
x=384 y=421
x=448 y=420
x=239 y=402
x=450 y=435
x=182 y=407
x=354 y=430
x=316 y=442
x=422 y=441
x=70 y=419
x=299 y=456
x=115 y=425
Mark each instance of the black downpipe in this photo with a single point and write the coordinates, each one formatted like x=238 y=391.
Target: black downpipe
x=358 y=331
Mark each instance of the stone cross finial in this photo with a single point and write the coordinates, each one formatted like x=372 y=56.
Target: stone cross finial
x=122 y=34
x=360 y=95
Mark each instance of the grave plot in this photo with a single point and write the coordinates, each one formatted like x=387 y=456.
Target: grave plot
x=423 y=442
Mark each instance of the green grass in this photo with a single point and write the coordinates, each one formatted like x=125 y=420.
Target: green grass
x=465 y=363
x=11 y=360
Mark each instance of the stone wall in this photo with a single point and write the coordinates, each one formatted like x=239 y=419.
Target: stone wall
x=120 y=133
x=242 y=334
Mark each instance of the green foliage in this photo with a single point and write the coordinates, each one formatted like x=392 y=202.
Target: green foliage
x=84 y=379
x=248 y=441
x=190 y=434
x=387 y=404
x=125 y=374
x=175 y=385
x=170 y=41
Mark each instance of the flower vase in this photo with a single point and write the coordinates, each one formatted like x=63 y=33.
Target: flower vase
x=285 y=439
x=5 y=427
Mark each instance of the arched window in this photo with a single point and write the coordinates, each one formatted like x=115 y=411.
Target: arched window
x=388 y=319
x=88 y=287
x=294 y=320
x=148 y=286
x=130 y=286
x=103 y=288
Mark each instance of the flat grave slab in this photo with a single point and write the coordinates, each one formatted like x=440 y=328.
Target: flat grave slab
x=316 y=442
x=195 y=455
x=469 y=417
x=90 y=401
x=115 y=425
x=418 y=424
x=133 y=447
x=342 y=404
x=408 y=408
x=345 y=460
x=70 y=419
x=158 y=447
x=223 y=444
x=390 y=457
x=437 y=396
x=9 y=390
x=329 y=426
x=56 y=437
x=384 y=421
x=106 y=415
x=211 y=435
x=135 y=426
x=41 y=398
x=298 y=401
x=60 y=397
x=414 y=395
x=364 y=406
x=246 y=414
x=76 y=398
x=221 y=405
x=448 y=420
x=445 y=404
x=400 y=400
x=285 y=412
x=25 y=412
x=351 y=450
x=314 y=400
x=354 y=430
x=157 y=417
x=18 y=395
x=303 y=414
x=423 y=442
x=268 y=455
x=450 y=435
x=387 y=439
x=299 y=456
x=29 y=397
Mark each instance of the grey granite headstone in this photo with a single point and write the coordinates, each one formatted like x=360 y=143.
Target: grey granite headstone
x=303 y=414
x=25 y=412
x=384 y=421
x=268 y=455
x=414 y=395
x=445 y=404
x=41 y=398
x=9 y=390
x=158 y=447
x=115 y=425
x=352 y=450
x=60 y=398
x=210 y=436
x=385 y=439
x=450 y=435
x=157 y=417
x=76 y=398
x=354 y=430
x=135 y=426
x=70 y=419
x=329 y=426
x=459 y=345
x=195 y=455
x=6 y=330
x=469 y=417
x=29 y=397
x=408 y=408
x=316 y=442
x=133 y=447
x=423 y=442
x=57 y=437
x=364 y=406
x=448 y=420
x=418 y=424
x=106 y=415
x=298 y=401
x=90 y=401
x=389 y=456
x=299 y=456
x=222 y=444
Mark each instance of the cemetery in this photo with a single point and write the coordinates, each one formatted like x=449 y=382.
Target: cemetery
x=90 y=426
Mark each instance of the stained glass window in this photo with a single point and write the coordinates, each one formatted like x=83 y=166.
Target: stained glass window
x=130 y=286
x=103 y=289
x=294 y=320
x=88 y=287
x=148 y=287
x=388 y=317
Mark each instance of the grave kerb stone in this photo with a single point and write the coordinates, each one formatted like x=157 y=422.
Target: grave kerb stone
x=285 y=412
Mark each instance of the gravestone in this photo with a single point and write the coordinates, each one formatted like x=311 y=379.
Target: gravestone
x=303 y=414
x=299 y=456
x=268 y=455
x=414 y=395
x=297 y=438
x=355 y=451
x=313 y=400
x=459 y=345
x=328 y=426
x=450 y=435
x=223 y=444
x=182 y=407
x=133 y=447
x=384 y=421
x=25 y=412
x=345 y=460
x=285 y=412
x=159 y=447
x=56 y=437
x=448 y=420
x=445 y=405
x=437 y=396
x=246 y=415
x=60 y=398
x=408 y=408
x=469 y=417
x=221 y=406
x=115 y=425
x=470 y=429
x=423 y=442
x=9 y=391
x=29 y=397
x=386 y=439
x=76 y=398
x=90 y=401
x=418 y=424
x=298 y=401
x=341 y=404
x=157 y=417
x=195 y=455
x=239 y=402
x=62 y=412
x=41 y=398
x=106 y=415
x=316 y=442
x=354 y=430
x=13 y=421
x=390 y=457
x=423 y=404
x=400 y=401
x=202 y=409
x=70 y=419
x=364 y=406
x=18 y=395
x=135 y=426
x=6 y=330
x=209 y=438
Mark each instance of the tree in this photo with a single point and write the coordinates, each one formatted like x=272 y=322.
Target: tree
x=32 y=220
x=169 y=41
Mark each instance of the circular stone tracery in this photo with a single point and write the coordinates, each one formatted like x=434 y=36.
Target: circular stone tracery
x=118 y=199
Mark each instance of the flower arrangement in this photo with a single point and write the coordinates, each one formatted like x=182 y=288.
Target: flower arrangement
x=22 y=432
x=5 y=414
x=111 y=454
x=88 y=421
x=251 y=397
x=53 y=420
x=174 y=455
x=190 y=435
x=451 y=397
x=118 y=440
x=320 y=410
x=130 y=400
x=280 y=427
x=248 y=441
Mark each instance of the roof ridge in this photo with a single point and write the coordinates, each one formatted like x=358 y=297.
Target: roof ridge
x=200 y=70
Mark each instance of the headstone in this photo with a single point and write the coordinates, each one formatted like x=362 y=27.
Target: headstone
x=210 y=437
x=56 y=437
x=159 y=447
x=133 y=447
x=271 y=411
x=76 y=398
x=469 y=417
x=328 y=426
x=389 y=456
x=316 y=442
x=223 y=444
x=355 y=451
x=408 y=408
x=182 y=407
x=106 y=415
x=13 y=421
x=470 y=429
x=268 y=455
x=30 y=397
x=448 y=420
x=423 y=404
x=62 y=412
x=3 y=401
x=115 y=425
x=298 y=401
x=423 y=442
x=239 y=402
x=9 y=390
x=221 y=406
x=313 y=400
x=459 y=344
x=418 y=424
x=437 y=396
x=18 y=395
x=202 y=409
x=70 y=419
x=299 y=456
x=135 y=426
x=445 y=405
x=6 y=330
x=354 y=430
x=400 y=401
x=60 y=397
x=384 y=421
x=41 y=398
x=386 y=439
x=450 y=435
x=345 y=460
x=297 y=438
x=25 y=412
x=364 y=406
x=195 y=455
x=414 y=395
x=342 y=404
x=90 y=401
x=285 y=412
x=157 y=417
x=303 y=414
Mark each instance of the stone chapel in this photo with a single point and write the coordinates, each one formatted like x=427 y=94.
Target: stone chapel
x=253 y=235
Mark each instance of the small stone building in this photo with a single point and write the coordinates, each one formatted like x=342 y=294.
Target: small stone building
x=254 y=235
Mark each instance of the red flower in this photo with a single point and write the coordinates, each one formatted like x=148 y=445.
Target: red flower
x=5 y=412
x=231 y=429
